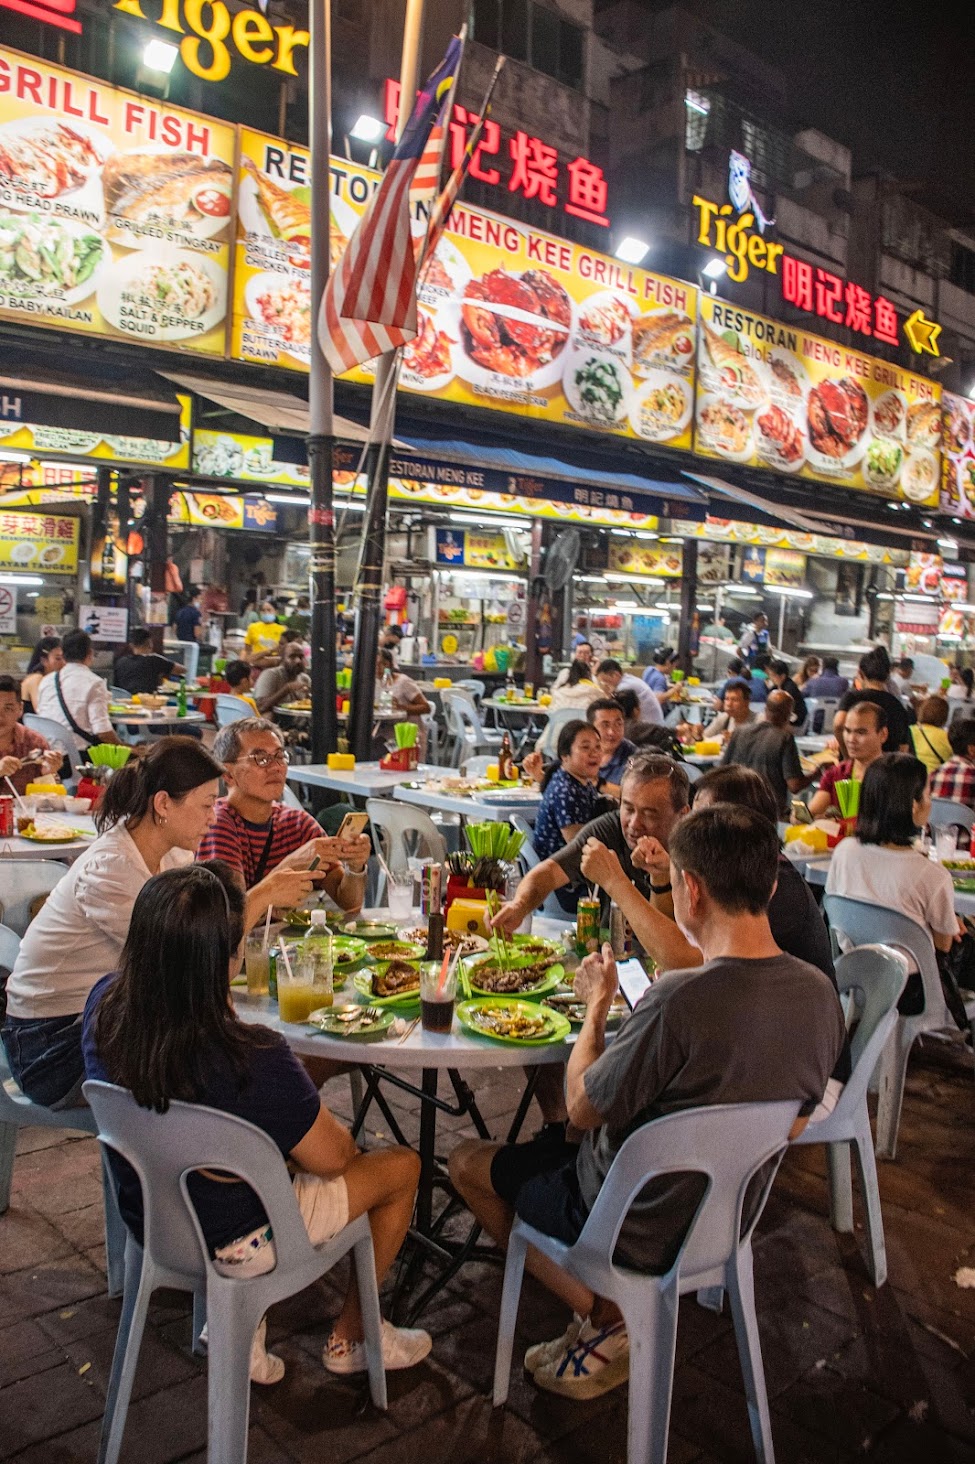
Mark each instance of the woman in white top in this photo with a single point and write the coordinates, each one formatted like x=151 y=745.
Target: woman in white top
x=579 y=689
x=880 y=865
x=154 y=813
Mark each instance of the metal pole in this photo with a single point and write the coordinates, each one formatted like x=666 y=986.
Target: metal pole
x=321 y=516
x=688 y=605
x=370 y=575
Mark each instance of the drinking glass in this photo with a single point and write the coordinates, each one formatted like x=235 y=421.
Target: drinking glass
x=297 y=997
x=946 y=844
x=257 y=963
x=399 y=895
x=437 y=998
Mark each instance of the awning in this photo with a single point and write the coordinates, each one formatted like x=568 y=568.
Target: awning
x=114 y=400
x=277 y=412
x=764 y=506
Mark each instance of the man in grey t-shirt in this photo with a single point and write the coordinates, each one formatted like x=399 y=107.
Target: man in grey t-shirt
x=749 y=1026
x=770 y=749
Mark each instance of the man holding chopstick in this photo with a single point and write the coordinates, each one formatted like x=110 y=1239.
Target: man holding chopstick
x=24 y=755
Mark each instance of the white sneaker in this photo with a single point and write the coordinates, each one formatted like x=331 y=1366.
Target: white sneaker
x=402 y=1347
x=597 y=1361
x=545 y=1352
x=265 y=1367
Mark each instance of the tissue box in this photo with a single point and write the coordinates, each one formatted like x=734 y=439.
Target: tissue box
x=707 y=749
x=403 y=760
x=57 y=790
x=341 y=762
x=468 y=915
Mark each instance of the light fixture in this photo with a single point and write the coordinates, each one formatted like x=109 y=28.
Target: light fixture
x=671 y=539
x=950 y=546
x=632 y=250
x=695 y=102
x=705 y=609
x=288 y=498
x=469 y=521
x=715 y=268
x=20 y=579
x=368 y=129
x=159 y=56
x=790 y=593
x=14 y=455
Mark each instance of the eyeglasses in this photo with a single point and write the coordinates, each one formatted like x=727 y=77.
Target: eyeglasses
x=267 y=759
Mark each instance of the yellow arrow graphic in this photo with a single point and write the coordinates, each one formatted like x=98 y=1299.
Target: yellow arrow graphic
x=922 y=335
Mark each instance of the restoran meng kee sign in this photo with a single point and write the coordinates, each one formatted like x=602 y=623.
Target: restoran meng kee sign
x=510 y=318
x=775 y=396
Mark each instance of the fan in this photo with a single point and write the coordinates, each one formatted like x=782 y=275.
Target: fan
x=561 y=559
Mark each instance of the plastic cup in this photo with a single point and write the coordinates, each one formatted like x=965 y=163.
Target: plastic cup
x=297 y=997
x=257 y=963
x=437 y=998
x=399 y=896
x=946 y=844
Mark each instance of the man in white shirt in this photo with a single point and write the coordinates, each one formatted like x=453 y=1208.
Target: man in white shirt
x=75 y=696
x=612 y=678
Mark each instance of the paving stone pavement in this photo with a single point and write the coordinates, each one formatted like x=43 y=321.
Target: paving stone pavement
x=853 y=1373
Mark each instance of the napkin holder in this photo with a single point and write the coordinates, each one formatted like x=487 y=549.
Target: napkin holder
x=403 y=760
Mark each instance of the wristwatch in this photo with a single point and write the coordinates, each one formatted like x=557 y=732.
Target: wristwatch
x=663 y=889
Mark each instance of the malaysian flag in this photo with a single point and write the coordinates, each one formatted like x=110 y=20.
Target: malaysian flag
x=440 y=212
x=369 y=304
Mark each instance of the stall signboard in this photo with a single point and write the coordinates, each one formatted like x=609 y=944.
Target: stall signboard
x=105 y=622
x=223 y=511
x=244 y=459
x=115 y=211
x=465 y=550
x=510 y=318
x=753 y=565
x=785 y=569
x=953 y=585
x=102 y=447
x=775 y=396
x=922 y=575
x=730 y=531
x=713 y=563
x=630 y=556
x=38 y=543
x=958 y=456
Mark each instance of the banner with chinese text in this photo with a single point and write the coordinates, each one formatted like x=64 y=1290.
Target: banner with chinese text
x=115 y=211
x=775 y=396
x=34 y=543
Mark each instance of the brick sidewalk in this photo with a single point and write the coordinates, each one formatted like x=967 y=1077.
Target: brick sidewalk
x=852 y=1373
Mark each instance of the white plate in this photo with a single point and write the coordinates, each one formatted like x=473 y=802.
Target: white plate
x=479 y=375
x=894 y=402
x=255 y=220
x=507 y=795
x=664 y=431
x=86 y=199
x=456 y=268
x=220 y=459
x=151 y=323
x=415 y=380
x=919 y=475
x=668 y=357
x=749 y=397
x=791 y=363
x=964 y=412
x=203 y=227
x=266 y=282
x=850 y=458
x=581 y=359
x=766 y=448
x=877 y=479
x=743 y=454
x=611 y=333
x=24 y=289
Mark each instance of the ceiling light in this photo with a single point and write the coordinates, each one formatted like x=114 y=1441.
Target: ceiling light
x=497 y=521
x=291 y=499
x=368 y=129
x=159 y=56
x=632 y=250
x=715 y=268
x=950 y=546
x=20 y=579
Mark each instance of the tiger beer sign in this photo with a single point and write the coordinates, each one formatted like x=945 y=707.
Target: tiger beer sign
x=212 y=37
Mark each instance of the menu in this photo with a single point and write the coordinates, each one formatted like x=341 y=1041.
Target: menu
x=775 y=396
x=44 y=543
x=95 y=444
x=510 y=318
x=958 y=456
x=115 y=210
x=628 y=556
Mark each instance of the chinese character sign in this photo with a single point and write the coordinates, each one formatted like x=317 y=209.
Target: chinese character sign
x=33 y=543
x=778 y=397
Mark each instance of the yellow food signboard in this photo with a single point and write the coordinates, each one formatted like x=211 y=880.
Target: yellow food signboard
x=100 y=445
x=115 y=210
x=631 y=557
x=775 y=396
x=510 y=318
x=38 y=543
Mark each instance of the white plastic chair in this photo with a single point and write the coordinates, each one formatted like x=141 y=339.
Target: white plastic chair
x=17 y=1111
x=465 y=727
x=693 y=771
x=163 y=1149
x=231 y=709
x=530 y=860
x=959 y=711
x=401 y=832
x=947 y=813
x=290 y=798
x=548 y=741
x=58 y=735
x=728 y=1144
x=820 y=714
x=475 y=687
x=865 y=924
x=476 y=767
x=119 y=694
x=24 y=883
x=876 y=975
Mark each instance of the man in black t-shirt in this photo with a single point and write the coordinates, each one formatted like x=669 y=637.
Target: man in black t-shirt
x=874 y=670
x=142 y=670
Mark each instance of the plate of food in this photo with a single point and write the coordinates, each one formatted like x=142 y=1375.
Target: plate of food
x=428 y=361
x=52 y=834
x=533 y=946
x=390 y=983
x=164 y=297
x=788 y=378
x=159 y=188
x=661 y=407
x=965 y=477
x=512 y=330
x=370 y=930
x=281 y=303
x=604 y=321
x=779 y=439
x=597 y=387
x=956 y=426
x=919 y=475
x=395 y=950
x=725 y=429
x=725 y=369
x=519 y=1023
x=500 y=974
x=45 y=258
x=662 y=339
x=568 y=1005
x=883 y=462
x=924 y=425
x=50 y=159
x=445 y=274
x=838 y=419
x=349 y=1019
x=469 y=943
x=890 y=415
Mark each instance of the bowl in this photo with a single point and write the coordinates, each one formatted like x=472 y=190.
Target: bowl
x=151 y=700
x=77 y=805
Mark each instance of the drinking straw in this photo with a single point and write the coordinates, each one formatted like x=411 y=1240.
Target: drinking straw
x=17 y=796
x=267 y=928
x=442 y=978
x=287 y=963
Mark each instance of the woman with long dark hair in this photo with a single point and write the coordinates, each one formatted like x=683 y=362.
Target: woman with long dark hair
x=47 y=657
x=569 y=797
x=578 y=689
x=152 y=817
x=165 y=1028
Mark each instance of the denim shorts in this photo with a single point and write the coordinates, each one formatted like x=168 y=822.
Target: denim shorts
x=45 y=1058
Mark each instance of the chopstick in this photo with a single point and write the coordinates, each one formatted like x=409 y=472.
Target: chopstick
x=409 y=1032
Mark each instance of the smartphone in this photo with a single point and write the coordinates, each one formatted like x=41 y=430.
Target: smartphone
x=352 y=826
x=800 y=812
x=633 y=980
x=315 y=863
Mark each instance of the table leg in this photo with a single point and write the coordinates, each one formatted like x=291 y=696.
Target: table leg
x=428 y=1157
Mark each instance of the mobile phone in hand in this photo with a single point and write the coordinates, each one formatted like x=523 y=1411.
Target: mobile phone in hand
x=633 y=980
x=352 y=826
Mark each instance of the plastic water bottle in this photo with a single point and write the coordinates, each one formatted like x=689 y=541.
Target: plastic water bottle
x=316 y=960
x=386 y=691
x=181 y=698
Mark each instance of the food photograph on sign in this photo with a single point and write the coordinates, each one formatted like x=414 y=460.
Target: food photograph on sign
x=115 y=212
x=958 y=459
x=776 y=396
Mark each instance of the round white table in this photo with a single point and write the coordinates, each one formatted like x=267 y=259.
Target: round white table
x=26 y=849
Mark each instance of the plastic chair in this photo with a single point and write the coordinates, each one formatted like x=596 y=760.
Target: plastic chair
x=164 y=1148
x=23 y=883
x=290 y=798
x=475 y=687
x=946 y=813
x=865 y=924
x=476 y=767
x=119 y=694
x=17 y=1111
x=876 y=975
x=548 y=741
x=726 y=1143
x=58 y=734
x=530 y=860
x=960 y=710
x=392 y=825
x=231 y=709
x=820 y=714
x=465 y=727
x=693 y=771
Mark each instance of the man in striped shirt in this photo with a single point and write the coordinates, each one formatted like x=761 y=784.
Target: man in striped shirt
x=255 y=834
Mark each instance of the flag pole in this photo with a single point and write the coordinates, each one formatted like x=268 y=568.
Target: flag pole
x=383 y=416
x=321 y=437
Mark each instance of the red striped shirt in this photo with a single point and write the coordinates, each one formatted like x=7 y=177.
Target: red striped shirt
x=241 y=844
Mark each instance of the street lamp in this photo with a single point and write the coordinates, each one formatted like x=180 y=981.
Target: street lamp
x=159 y=56
x=632 y=250
x=368 y=129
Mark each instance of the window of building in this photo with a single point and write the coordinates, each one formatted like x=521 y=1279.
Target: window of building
x=962 y=268
x=529 y=31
